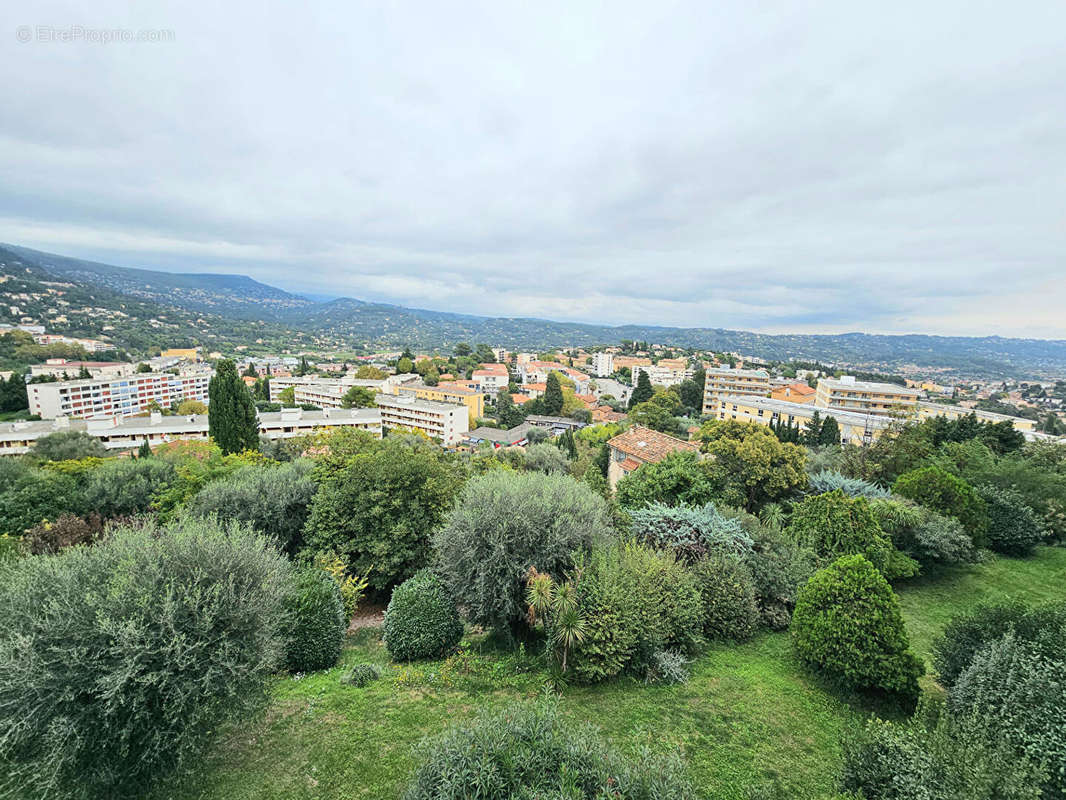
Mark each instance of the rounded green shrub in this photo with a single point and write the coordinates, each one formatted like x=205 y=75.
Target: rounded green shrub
x=120 y=662
x=421 y=620
x=936 y=488
x=729 y=607
x=361 y=674
x=316 y=624
x=848 y=625
x=1013 y=527
x=531 y=751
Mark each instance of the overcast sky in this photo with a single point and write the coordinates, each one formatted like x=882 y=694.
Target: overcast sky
x=784 y=166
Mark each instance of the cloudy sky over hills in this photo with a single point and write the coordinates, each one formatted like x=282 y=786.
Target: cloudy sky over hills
x=770 y=166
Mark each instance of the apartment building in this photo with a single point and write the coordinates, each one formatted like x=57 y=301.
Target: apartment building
x=184 y=353
x=124 y=396
x=603 y=364
x=638 y=446
x=855 y=428
x=59 y=367
x=491 y=378
x=89 y=345
x=538 y=372
x=927 y=410
x=127 y=433
x=629 y=362
x=847 y=394
x=723 y=381
x=443 y=393
x=660 y=375
x=444 y=421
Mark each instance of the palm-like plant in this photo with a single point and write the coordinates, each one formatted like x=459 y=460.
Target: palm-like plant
x=554 y=607
x=568 y=630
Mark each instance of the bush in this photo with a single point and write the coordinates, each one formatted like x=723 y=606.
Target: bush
x=66 y=446
x=315 y=622
x=967 y=634
x=530 y=750
x=119 y=662
x=421 y=620
x=834 y=525
x=546 y=457
x=778 y=567
x=829 y=481
x=1013 y=527
x=667 y=666
x=361 y=674
x=126 y=487
x=274 y=500
x=37 y=495
x=377 y=507
x=504 y=523
x=926 y=536
x=689 y=532
x=729 y=607
x=848 y=624
x=635 y=601
x=48 y=538
x=946 y=494
x=934 y=758
x=1015 y=690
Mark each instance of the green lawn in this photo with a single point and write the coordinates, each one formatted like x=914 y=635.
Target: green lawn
x=749 y=713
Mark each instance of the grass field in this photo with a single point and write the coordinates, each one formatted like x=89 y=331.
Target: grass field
x=750 y=713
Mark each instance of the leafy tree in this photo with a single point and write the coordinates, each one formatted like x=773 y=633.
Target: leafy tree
x=122 y=661
x=358 y=397
x=145 y=450
x=463 y=349
x=653 y=415
x=287 y=396
x=67 y=446
x=250 y=371
x=369 y=373
x=642 y=392
x=679 y=479
x=848 y=624
x=13 y=393
x=691 y=395
x=830 y=432
x=506 y=522
x=507 y=413
x=749 y=465
x=946 y=494
x=378 y=507
x=553 y=395
x=191 y=406
x=404 y=366
x=231 y=418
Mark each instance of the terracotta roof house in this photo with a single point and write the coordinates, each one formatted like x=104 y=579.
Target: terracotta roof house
x=606 y=414
x=638 y=446
x=794 y=393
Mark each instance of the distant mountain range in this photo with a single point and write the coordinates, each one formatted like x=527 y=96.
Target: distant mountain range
x=351 y=323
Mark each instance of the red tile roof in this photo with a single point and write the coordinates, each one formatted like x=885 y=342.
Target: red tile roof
x=648 y=446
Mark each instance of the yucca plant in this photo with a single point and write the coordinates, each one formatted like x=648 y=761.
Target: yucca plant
x=554 y=608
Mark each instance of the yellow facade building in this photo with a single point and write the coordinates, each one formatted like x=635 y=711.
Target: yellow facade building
x=442 y=393
x=733 y=382
x=855 y=428
x=847 y=394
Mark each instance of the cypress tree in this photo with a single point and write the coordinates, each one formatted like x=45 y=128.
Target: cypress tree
x=643 y=391
x=830 y=433
x=553 y=395
x=145 y=450
x=813 y=432
x=231 y=417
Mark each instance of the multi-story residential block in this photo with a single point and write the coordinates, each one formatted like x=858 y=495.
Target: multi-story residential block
x=663 y=376
x=538 y=372
x=628 y=362
x=638 y=446
x=127 y=433
x=603 y=364
x=723 y=382
x=491 y=378
x=60 y=367
x=124 y=396
x=500 y=354
x=927 y=410
x=89 y=345
x=184 y=353
x=855 y=428
x=442 y=393
x=444 y=421
x=847 y=394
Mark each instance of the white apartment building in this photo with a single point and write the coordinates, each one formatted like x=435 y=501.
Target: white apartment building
x=58 y=367
x=848 y=394
x=603 y=364
x=491 y=380
x=663 y=376
x=327 y=392
x=444 y=421
x=126 y=433
x=732 y=382
x=124 y=396
x=500 y=354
